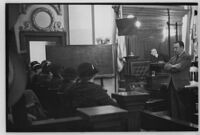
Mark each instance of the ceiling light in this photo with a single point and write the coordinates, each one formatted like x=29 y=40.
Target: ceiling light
x=137 y=24
x=130 y=16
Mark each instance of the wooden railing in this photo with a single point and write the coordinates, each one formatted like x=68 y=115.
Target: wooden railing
x=155 y=122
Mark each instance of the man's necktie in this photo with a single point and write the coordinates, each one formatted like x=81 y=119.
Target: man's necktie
x=177 y=57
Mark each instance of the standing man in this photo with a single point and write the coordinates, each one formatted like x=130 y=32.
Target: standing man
x=178 y=66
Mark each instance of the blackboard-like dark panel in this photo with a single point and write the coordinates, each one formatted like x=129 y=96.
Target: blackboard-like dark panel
x=72 y=55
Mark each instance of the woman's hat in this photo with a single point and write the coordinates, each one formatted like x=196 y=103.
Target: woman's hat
x=87 y=70
x=34 y=64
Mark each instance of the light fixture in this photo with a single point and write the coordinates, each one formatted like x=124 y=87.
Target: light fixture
x=193 y=75
x=137 y=24
x=130 y=16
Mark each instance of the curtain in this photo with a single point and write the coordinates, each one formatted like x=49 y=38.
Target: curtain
x=120 y=40
x=121 y=52
x=193 y=50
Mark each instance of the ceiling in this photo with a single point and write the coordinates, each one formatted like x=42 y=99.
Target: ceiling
x=155 y=17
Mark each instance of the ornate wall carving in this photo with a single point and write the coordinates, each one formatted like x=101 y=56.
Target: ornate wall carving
x=24 y=7
x=36 y=17
x=37 y=23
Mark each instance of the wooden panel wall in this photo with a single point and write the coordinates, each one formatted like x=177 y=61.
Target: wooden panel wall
x=150 y=35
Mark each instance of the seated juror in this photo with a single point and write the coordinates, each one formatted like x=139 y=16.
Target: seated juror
x=69 y=78
x=85 y=93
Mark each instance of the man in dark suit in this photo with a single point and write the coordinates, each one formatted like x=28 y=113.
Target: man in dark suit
x=178 y=66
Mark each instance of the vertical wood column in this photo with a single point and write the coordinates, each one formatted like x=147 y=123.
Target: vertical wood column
x=134 y=102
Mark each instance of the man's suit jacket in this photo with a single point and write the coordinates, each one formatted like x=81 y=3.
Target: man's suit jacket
x=180 y=76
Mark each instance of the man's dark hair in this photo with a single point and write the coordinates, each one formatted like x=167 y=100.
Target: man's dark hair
x=86 y=71
x=181 y=44
x=69 y=74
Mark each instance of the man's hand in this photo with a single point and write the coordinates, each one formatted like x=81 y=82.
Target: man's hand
x=168 y=66
x=176 y=66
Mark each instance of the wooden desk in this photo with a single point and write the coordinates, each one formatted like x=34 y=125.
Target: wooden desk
x=155 y=82
x=104 y=118
x=191 y=86
x=192 y=98
x=129 y=59
x=193 y=89
x=69 y=124
x=131 y=100
x=156 y=122
x=134 y=102
x=157 y=88
x=157 y=67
